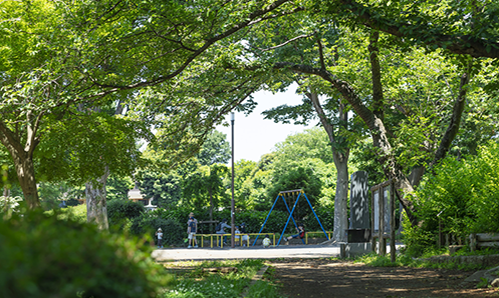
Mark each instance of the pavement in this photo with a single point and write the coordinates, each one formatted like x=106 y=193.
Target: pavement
x=252 y=252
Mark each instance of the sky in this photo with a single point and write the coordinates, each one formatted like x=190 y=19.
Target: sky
x=255 y=136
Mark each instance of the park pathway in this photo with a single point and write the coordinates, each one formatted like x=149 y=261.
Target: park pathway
x=282 y=251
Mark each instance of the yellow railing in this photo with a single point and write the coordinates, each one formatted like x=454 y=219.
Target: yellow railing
x=238 y=238
x=320 y=232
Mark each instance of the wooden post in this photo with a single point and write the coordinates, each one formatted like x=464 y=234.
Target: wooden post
x=382 y=241
x=373 y=234
x=392 y=222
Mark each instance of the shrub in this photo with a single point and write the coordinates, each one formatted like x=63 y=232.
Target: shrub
x=460 y=196
x=147 y=224
x=43 y=256
x=120 y=210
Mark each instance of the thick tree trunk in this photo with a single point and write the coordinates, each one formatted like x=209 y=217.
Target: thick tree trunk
x=95 y=192
x=341 y=197
x=26 y=174
x=341 y=164
x=379 y=133
x=23 y=161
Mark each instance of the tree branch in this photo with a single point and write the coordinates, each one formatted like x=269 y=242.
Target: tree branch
x=458 y=44
x=455 y=121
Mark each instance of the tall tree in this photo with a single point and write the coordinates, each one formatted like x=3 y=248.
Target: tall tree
x=59 y=54
x=215 y=149
x=460 y=27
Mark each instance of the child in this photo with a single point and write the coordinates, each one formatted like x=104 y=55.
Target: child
x=236 y=237
x=245 y=237
x=266 y=241
x=301 y=234
x=159 y=235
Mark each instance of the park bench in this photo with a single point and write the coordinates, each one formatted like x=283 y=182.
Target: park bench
x=484 y=240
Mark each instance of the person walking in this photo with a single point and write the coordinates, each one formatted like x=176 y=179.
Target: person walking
x=192 y=225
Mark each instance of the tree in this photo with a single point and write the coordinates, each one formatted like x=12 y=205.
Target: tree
x=165 y=189
x=340 y=61
x=60 y=54
x=117 y=187
x=243 y=172
x=459 y=27
x=215 y=149
x=206 y=187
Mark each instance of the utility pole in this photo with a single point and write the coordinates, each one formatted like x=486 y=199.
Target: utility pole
x=232 y=212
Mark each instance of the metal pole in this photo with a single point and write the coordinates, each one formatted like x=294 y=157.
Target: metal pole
x=232 y=240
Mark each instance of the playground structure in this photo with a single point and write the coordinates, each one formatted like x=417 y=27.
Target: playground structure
x=282 y=194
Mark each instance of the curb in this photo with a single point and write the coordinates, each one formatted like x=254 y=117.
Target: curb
x=258 y=276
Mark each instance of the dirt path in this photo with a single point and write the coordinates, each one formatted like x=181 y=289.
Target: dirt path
x=330 y=278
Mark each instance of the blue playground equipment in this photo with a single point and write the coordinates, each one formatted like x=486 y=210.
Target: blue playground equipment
x=281 y=194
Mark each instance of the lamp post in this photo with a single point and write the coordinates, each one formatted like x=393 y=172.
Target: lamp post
x=232 y=241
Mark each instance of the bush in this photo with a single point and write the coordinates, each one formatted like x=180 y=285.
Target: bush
x=173 y=222
x=461 y=196
x=43 y=256
x=147 y=224
x=76 y=213
x=118 y=211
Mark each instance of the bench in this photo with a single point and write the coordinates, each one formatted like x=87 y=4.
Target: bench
x=484 y=240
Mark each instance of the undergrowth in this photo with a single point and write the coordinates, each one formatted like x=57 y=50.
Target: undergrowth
x=192 y=281
x=404 y=260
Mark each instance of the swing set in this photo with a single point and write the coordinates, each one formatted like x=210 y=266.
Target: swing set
x=290 y=193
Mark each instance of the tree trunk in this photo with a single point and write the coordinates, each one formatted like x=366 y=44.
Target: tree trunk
x=341 y=164
x=341 y=196
x=26 y=174
x=95 y=192
x=23 y=158
x=379 y=132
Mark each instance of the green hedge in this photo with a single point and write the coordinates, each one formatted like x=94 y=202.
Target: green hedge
x=42 y=256
x=458 y=197
x=253 y=220
x=119 y=211
x=148 y=224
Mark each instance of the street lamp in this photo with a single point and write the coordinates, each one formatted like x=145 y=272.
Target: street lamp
x=232 y=241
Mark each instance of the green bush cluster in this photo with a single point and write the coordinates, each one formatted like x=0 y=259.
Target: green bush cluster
x=173 y=222
x=461 y=196
x=148 y=224
x=43 y=256
x=119 y=211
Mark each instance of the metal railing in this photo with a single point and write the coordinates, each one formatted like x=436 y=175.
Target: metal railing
x=318 y=232
x=238 y=238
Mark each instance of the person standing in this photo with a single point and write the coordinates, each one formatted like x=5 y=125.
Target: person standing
x=236 y=237
x=192 y=225
x=159 y=236
x=245 y=236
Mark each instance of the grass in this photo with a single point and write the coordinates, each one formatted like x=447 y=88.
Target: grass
x=192 y=281
x=404 y=260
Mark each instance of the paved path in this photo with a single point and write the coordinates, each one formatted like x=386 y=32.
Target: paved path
x=282 y=251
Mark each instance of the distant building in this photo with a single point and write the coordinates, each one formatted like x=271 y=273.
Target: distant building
x=136 y=196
